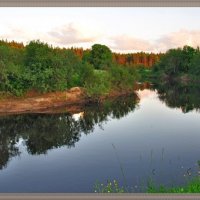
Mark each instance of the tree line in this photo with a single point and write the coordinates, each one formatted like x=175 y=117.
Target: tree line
x=44 y=68
x=41 y=67
x=176 y=78
x=132 y=59
x=178 y=62
x=128 y=59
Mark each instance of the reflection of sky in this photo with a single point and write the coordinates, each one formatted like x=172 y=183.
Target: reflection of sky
x=143 y=94
x=77 y=116
x=151 y=137
x=127 y=29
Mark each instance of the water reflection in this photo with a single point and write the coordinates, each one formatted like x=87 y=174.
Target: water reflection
x=179 y=95
x=41 y=132
x=152 y=141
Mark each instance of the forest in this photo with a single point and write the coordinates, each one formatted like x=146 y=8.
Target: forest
x=179 y=64
x=43 y=68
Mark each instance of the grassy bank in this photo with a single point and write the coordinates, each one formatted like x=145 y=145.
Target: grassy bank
x=192 y=186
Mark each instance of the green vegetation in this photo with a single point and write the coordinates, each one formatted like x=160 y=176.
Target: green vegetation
x=100 y=56
x=38 y=66
x=43 y=68
x=176 y=78
x=191 y=187
x=98 y=83
x=109 y=187
x=176 y=63
x=122 y=77
x=145 y=74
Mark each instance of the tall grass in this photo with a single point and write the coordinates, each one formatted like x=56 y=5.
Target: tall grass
x=192 y=186
x=113 y=187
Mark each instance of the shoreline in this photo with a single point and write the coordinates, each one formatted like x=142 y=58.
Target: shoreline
x=68 y=101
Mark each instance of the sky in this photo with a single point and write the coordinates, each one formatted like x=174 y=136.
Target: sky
x=121 y=29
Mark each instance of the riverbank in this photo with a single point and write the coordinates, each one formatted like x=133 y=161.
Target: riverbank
x=72 y=100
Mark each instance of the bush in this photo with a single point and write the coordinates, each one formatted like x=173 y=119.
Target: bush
x=178 y=61
x=122 y=77
x=98 y=83
x=195 y=65
x=43 y=68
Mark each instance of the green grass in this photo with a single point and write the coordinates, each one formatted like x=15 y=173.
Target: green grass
x=192 y=186
x=109 y=187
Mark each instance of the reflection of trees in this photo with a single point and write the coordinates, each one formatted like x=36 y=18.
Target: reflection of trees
x=115 y=109
x=7 y=142
x=42 y=132
x=51 y=131
x=7 y=150
x=177 y=95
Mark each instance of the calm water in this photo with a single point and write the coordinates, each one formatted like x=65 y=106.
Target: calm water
x=153 y=136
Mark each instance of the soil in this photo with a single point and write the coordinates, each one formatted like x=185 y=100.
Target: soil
x=67 y=101
x=34 y=102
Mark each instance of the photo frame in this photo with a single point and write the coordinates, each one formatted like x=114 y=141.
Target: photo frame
x=97 y=3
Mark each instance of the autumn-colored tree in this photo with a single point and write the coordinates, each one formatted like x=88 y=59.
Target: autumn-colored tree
x=133 y=59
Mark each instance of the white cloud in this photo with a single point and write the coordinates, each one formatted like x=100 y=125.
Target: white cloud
x=162 y=44
x=22 y=34
x=128 y=43
x=65 y=35
x=76 y=34
x=72 y=34
x=178 y=39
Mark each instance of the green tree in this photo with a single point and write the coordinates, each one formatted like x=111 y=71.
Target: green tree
x=38 y=61
x=177 y=61
x=173 y=61
x=3 y=76
x=100 y=56
x=66 y=69
x=122 y=77
x=195 y=64
x=11 y=69
x=98 y=83
x=187 y=55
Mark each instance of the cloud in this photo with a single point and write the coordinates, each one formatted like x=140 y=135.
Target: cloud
x=15 y=33
x=128 y=43
x=178 y=39
x=64 y=35
x=85 y=36
x=25 y=35
x=162 y=44
x=72 y=34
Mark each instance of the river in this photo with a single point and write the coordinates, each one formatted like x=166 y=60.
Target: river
x=133 y=140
